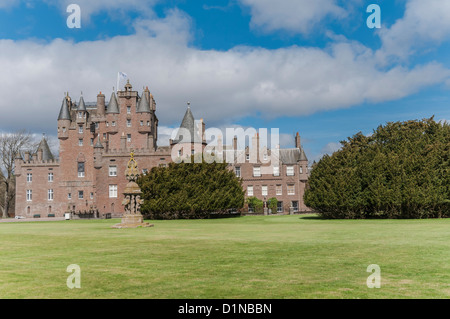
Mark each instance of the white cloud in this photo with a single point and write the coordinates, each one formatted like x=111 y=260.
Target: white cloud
x=424 y=25
x=222 y=86
x=298 y=16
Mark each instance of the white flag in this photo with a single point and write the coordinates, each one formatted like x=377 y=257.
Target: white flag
x=122 y=75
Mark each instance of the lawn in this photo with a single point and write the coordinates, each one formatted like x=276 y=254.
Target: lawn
x=294 y=256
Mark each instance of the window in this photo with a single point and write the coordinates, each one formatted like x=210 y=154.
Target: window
x=64 y=129
x=50 y=177
x=279 y=207
x=96 y=125
x=145 y=171
x=141 y=123
x=265 y=157
x=128 y=109
x=29 y=195
x=128 y=123
x=179 y=152
x=148 y=123
x=295 y=206
x=92 y=195
x=80 y=194
x=113 y=123
x=113 y=170
x=264 y=190
x=290 y=170
x=50 y=194
x=192 y=152
x=92 y=141
x=301 y=169
x=247 y=156
x=80 y=115
x=80 y=129
x=107 y=124
x=112 y=191
x=104 y=136
x=69 y=196
x=291 y=189
x=237 y=170
x=80 y=142
x=276 y=171
x=128 y=137
x=80 y=169
x=279 y=189
x=256 y=171
x=249 y=190
x=29 y=177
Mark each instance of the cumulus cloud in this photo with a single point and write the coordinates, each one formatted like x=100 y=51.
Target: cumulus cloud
x=425 y=24
x=298 y=16
x=232 y=84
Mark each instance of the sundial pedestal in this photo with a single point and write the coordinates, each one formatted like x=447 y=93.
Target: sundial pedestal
x=132 y=221
x=132 y=201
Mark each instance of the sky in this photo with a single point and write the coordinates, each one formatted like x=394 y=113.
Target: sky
x=313 y=67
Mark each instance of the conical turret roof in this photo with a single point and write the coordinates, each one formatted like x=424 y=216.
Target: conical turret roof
x=144 y=105
x=188 y=124
x=46 y=153
x=81 y=105
x=64 y=113
x=98 y=144
x=113 y=106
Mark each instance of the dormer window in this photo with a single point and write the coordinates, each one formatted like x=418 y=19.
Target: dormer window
x=80 y=115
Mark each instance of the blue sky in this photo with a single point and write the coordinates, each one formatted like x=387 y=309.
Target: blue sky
x=297 y=65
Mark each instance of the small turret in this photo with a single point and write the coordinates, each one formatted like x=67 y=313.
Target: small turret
x=82 y=113
x=113 y=106
x=64 y=119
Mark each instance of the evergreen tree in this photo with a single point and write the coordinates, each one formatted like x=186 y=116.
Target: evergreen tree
x=190 y=190
x=400 y=171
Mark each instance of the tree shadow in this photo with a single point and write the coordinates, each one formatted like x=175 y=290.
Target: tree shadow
x=312 y=217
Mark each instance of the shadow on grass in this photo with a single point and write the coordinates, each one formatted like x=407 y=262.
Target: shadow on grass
x=312 y=217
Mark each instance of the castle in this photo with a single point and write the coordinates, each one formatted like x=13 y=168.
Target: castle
x=95 y=144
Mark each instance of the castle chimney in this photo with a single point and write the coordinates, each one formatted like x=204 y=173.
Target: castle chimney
x=27 y=156
x=101 y=107
x=297 y=141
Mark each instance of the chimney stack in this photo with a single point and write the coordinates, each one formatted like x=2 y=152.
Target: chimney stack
x=297 y=141
x=101 y=108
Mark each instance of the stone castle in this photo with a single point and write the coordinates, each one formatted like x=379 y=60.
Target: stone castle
x=95 y=144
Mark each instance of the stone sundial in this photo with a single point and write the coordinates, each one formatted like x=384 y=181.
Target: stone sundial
x=132 y=198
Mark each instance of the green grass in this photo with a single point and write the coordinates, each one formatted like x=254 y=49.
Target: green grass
x=249 y=257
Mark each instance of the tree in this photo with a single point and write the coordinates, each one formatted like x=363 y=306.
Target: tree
x=255 y=204
x=272 y=203
x=400 y=171
x=10 y=146
x=190 y=190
